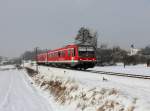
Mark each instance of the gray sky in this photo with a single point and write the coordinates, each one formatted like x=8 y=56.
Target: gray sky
x=25 y=24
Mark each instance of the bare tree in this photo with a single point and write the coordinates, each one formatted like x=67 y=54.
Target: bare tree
x=86 y=36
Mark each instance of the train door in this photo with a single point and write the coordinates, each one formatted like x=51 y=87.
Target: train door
x=73 y=54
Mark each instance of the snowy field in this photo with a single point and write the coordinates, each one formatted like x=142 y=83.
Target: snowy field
x=141 y=69
x=17 y=93
x=55 y=89
x=85 y=91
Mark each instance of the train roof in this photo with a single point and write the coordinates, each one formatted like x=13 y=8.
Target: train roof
x=65 y=47
x=68 y=46
x=41 y=54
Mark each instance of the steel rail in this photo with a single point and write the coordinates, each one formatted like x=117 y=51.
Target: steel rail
x=120 y=74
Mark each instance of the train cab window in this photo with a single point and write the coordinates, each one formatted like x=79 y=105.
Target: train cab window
x=86 y=52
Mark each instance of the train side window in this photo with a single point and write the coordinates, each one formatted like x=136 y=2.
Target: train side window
x=54 y=54
x=73 y=54
x=63 y=53
x=50 y=55
x=69 y=52
x=58 y=54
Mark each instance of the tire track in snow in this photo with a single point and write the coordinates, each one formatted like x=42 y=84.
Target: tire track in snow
x=32 y=89
x=6 y=97
x=18 y=94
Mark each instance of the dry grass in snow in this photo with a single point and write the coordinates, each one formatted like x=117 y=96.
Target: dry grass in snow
x=69 y=92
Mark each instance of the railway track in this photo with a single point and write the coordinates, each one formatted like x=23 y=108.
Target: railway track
x=120 y=74
x=113 y=73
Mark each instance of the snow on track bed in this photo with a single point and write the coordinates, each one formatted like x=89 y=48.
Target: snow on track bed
x=131 y=92
x=17 y=94
x=141 y=69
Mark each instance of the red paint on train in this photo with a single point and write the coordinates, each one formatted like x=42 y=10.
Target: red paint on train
x=74 y=56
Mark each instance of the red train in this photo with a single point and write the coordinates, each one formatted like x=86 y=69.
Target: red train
x=73 y=56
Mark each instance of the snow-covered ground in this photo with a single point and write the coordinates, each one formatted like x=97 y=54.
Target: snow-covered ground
x=141 y=69
x=7 y=67
x=17 y=93
x=85 y=91
x=56 y=89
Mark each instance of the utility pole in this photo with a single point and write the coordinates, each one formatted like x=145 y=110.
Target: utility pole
x=47 y=56
x=36 y=58
x=23 y=61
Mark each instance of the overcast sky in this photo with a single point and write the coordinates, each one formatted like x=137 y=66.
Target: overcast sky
x=25 y=24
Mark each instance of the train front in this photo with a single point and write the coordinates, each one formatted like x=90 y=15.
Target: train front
x=86 y=56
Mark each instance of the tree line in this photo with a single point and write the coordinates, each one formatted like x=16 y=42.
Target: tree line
x=104 y=55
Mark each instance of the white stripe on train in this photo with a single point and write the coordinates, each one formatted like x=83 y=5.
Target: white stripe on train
x=69 y=61
x=58 y=61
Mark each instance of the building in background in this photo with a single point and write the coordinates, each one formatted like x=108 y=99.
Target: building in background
x=133 y=50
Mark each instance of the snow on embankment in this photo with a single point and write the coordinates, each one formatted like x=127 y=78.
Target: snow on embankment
x=73 y=90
